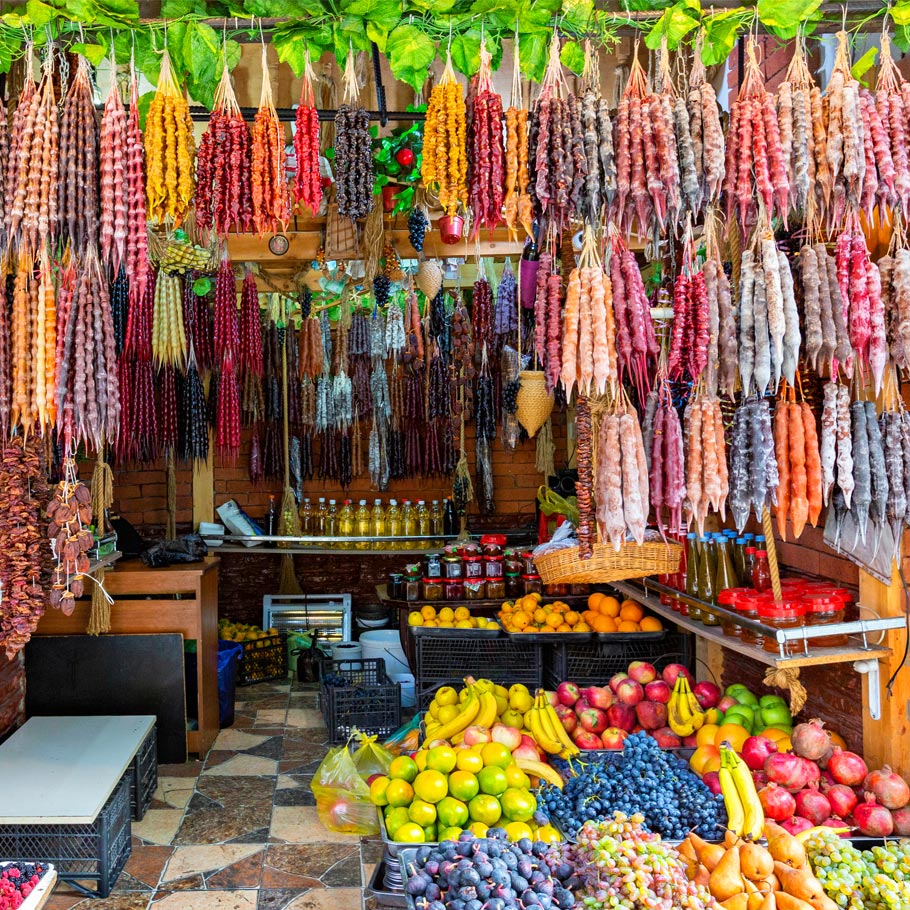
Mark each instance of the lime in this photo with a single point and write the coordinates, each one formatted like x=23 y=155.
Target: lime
x=395 y=817
x=449 y=834
x=431 y=786
x=478 y=829
x=403 y=768
x=452 y=812
x=517 y=805
x=485 y=808
x=409 y=833
x=496 y=754
x=422 y=813
x=399 y=793
x=420 y=759
x=446 y=696
x=518 y=830
x=377 y=791
x=468 y=760
x=515 y=777
x=463 y=785
x=429 y=833
x=492 y=780
x=441 y=758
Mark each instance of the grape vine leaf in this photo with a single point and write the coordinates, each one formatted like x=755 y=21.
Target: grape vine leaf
x=94 y=53
x=864 y=64
x=466 y=51
x=177 y=9
x=532 y=52
x=577 y=13
x=674 y=24
x=349 y=32
x=291 y=42
x=381 y=12
x=410 y=54
x=572 y=56
x=39 y=13
x=720 y=33
x=786 y=16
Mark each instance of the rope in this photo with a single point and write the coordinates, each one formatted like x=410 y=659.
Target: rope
x=289 y=519
x=546 y=450
x=771 y=549
x=788 y=678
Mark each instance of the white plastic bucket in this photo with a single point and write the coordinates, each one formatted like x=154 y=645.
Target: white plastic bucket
x=346 y=650
x=408 y=689
x=385 y=644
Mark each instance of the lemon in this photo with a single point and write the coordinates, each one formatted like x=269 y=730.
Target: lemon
x=482 y=623
x=496 y=754
x=450 y=833
x=478 y=829
x=464 y=624
x=520 y=701
x=377 y=791
x=410 y=833
x=432 y=624
x=431 y=785
x=548 y=834
x=462 y=613
x=502 y=705
x=446 y=696
x=518 y=830
x=414 y=618
x=441 y=758
x=515 y=777
x=428 y=612
x=446 y=624
x=446 y=614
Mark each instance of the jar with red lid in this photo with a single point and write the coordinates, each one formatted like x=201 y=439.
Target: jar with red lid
x=473 y=566
x=469 y=549
x=493 y=566
x=529 y=567
x=557 y=589
x=514 y=587
x=531 y=584
x=492 y=544
x=747 y=607
x=824 y=608
x=433 y=589
x=496 y=588
x=474 y=589
x=455 y=589
x=782 y=614
x=727 y=599
x=579 y=590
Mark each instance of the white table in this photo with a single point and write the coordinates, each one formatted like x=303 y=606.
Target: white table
x=64 y=769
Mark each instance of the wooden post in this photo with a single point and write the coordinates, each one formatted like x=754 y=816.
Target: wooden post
x=887 y=741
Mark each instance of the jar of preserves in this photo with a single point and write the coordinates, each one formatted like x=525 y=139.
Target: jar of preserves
x=747 y=608
x=824 y=609
x=727 y=599
x=434 y=565
x=474 y=589
x=432 y=589
x=496 y=588
x=557 y=589
x=512 y=562
x=579 y=590
x=412 y=589
x=473 y=566
x=396 y=586
x=454 y=589
x=493 y=566
x=529 y=567
x=514 y=586
x=782 y=614
x=492 y=544
x=531 y=584
x=471 y=548
x=452 y=566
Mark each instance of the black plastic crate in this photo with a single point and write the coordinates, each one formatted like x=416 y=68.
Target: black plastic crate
x=263 y=660
x=593 y=664
x=144 y=776
x=370 y=703
x=95 y=852
x=447 y=661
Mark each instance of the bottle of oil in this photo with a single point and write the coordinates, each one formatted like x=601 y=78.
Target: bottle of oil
x=362 y=524
x=319 y=518
x=346 y=522
x=377 y=525
x=393 y=524
x=423 y=523
x=306 y=517
x=436 y=523
x=331 y=521
x=408 y=525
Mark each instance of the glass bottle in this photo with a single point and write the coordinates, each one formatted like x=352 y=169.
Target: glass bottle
x=706 y=572
x=306 y=518
x=423 y=523
x=362 y=524
x=436 y=523
x=725 y=577
x=693 y=558
x=739 y=560
x=271 y=518
x=377 y=524
x=393 y=523
x=408 y=524
x=319 y=518
x=331 y=521
x=450 y=519
x=748 y=565
x=346 y=522
x=761 y=572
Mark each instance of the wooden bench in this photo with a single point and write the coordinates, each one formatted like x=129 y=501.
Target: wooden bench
x=69 y=796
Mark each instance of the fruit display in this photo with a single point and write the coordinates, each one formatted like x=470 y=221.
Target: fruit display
x=605 y=614
x=17 y=881
x=439 y=792
x=745 y=816
x=642 y=778
x=238 y=631
x=428 y=617
x=530 y=614
x=601 y=717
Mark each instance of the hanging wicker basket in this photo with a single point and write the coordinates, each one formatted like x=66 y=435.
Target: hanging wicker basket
x=535 y=403
x=429 y=277
x=654 y=557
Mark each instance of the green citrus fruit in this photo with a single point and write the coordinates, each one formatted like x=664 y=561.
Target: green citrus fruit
x=452 y=812
x=441 y=758
x=492 y=780
x=377 y=791
x=403 y=768
x=485 y=808
x=468 y=760
x=409 y=833
x=515 y=777
x=429 y=833
x=463 y=785
x=420 y=759
x=422 y=813
x=431 y=786
x=450 y=834
x=517 y=805
x=478 y=829
x=496 y=754
x=399 y=793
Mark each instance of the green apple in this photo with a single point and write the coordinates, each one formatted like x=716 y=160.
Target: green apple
x=736 y=688
x=777 y=716
x=768 y=701
x=745 y=697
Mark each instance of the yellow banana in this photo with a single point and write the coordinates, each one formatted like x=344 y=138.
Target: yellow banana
x=468 y=713
x=732 y=802
x=544 y=739
x=559 y=730
x=541 y=770
x=803 y=836
x=678 y=714
x=486 y=717
x=683 y=710
x=552 y=726
x=694 y=706
x=754 y=816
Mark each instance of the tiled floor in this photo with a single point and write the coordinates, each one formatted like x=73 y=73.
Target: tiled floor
x=239 y=831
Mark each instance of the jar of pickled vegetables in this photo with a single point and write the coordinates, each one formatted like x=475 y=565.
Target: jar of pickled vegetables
x=782 y=614
x=455 y=589
x=532 y=584
x=495 y=588
x=514 y=587
x=473 y=567
x=432 y=589
x=474 y=589
x=824 y=609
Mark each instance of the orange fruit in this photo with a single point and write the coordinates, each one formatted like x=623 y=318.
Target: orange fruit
x=837 y=740
x=588 y=616
x=594 y=600
x=428 y=612
x=631 y=611
x=564 y=627
x=547 y=629
x=540 y=615
x=572 y=618
x=626 y=626
x=712 y=764
x=582 y=627
x=702 y=755
x=610 y=607
x=508 y=606
x=604 y=624
x=553 y=620
x=559 y=607
x=733 y=734
x=706 y=735
x=651 y=624
x=521 y=620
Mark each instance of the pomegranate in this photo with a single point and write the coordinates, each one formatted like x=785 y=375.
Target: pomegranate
x=823 y=761
x=901 y=819
x=842 y=799
x=889 y=789
x=810 y=740
x=872 y=819
x=712 y=782
x=847 y=768
x=760 y=779
x=812 y=804
x=777 y=803
x=796 y=824
x=787 y=770
x=755 y=750
x=813 y=775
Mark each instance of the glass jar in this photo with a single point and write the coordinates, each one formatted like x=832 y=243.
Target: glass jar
x=474 y=589
x=579 y=590
x=452 y=566
x=434 y=565
x=512 y=563
x=469 y=549
x=473 y=567
x=496 y=588
x=455 y=589
x=432 y=589
x=514 y=586
x=492 y=544
x=412 y=589
x=412 y=570
x=782 y=614
x=493 y=566
x=727 y=599
x=558 y=589
x=824 y=609
x=528 y=565
x=531 y=584
x=747 y=607
x=396 y=586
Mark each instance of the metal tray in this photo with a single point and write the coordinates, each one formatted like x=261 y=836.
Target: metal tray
x=551 y=638
x=424 y=632
x=628 y=636
x=385 y=896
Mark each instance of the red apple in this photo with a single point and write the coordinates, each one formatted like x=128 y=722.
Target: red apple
x=629 y=692
x=594 y=720
x=621 y=716
x=510 y=737
x=690 y=742
x=581 y=705
x=613 y=738
x=568 y=693
x=552 y=697
x=568 y=717
x=530 y=742
x=642 y=672
x=727 y=702
x=405 y=157
x=652 y=715
x=616 y=679
x=666 y=738
x=373 y=777
x=707 y=693
x=658 y=690
x=671 y=671
x=712 y=782
x=584 y=739
x=599 y=697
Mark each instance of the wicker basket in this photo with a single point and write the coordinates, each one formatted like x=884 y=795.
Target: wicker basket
x=535 y=403
x=632 y=561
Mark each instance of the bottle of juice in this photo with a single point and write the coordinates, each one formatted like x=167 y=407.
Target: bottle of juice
x=423 y=523
x=346 y=523
x=436 y=523
x=362 y=524
x=393 y=524
x=306 y=517
x=319 y=518
x=331 y=521
x=377 y=524
x=408 y=525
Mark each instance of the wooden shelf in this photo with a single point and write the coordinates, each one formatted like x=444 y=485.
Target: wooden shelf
x=853 y=651
x=382 y=593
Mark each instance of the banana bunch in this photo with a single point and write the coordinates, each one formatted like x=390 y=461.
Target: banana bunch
x=542 y=770
x=547 y=728
x=684 y=712
x=478 y=708
x=745 y=817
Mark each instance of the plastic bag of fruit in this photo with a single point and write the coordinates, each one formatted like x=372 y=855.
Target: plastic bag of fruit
x=406 y=738
x=371 y=757
x=342 y=796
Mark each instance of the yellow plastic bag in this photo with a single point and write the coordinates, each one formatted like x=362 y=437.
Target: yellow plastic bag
x=342 y=796
x=371 y=757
